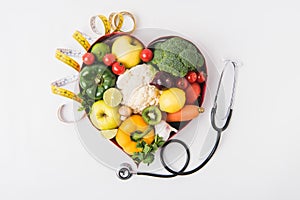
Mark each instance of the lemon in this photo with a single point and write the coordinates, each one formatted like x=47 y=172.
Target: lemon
x=172 y=100
x=112 y=97
x=109 y=134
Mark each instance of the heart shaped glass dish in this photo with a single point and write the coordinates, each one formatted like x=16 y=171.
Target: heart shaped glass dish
x=150 y=101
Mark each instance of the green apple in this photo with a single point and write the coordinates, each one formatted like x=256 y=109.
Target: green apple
x=105 y=117
x=100 y=50
x=127 y=50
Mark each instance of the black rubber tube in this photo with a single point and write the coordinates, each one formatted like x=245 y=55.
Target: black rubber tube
x=182 y=172
x=213 y=120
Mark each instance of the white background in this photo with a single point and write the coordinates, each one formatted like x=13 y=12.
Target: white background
x=41 y=158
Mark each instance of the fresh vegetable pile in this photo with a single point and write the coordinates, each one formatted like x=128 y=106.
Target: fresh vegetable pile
x=139 y=97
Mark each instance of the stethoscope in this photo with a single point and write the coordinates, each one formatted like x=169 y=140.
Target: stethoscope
x=125 y=170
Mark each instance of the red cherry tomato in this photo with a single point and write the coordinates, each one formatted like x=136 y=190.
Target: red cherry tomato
x=192 y=93
x=109 y=59
x=88 y=58
x=117 y=68
x=182 y=83
x=201 y=77
x=146 y=55
x=191 y=77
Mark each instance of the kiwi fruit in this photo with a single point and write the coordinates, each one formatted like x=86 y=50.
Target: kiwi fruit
x=152 y=115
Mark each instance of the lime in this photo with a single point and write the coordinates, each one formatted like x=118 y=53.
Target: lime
x=109 y=134
x=112 y=97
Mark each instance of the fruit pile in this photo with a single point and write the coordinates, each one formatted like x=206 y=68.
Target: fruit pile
x=137 y=96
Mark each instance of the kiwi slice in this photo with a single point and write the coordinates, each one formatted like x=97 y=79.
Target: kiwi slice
x=152 y=115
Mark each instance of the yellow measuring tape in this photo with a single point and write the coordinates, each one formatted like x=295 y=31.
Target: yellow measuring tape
x=56 y=88
x=81 y=40
x=60 y=55
x=105 y=22
x=113 y=24
x=116 y=20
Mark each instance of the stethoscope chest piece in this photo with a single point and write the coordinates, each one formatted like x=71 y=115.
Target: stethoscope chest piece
x=125 y=171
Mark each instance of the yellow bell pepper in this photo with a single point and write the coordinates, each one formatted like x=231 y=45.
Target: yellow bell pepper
x=131 y=131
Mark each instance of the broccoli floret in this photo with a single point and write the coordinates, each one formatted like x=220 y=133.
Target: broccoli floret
x=172 y=64
x=174 y=45
x=177 y=56
x=191 y=59
x=158 y=56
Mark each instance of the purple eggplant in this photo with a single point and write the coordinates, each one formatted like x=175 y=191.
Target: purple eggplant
x=163 y=80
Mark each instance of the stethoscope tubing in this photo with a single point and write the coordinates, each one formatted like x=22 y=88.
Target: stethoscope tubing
x=182 y=172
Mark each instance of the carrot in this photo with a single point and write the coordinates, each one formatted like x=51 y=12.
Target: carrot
x=188 y=112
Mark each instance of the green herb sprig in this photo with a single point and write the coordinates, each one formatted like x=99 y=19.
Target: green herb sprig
x=146 y=156
x=86 y=103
